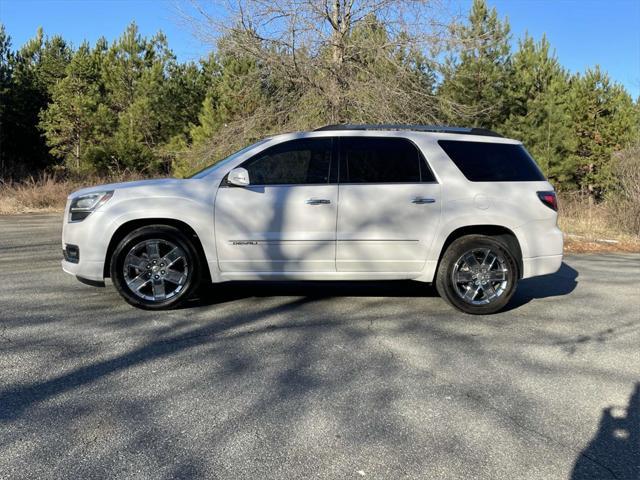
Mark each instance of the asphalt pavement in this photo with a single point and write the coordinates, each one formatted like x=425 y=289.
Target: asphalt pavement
x=309 y=380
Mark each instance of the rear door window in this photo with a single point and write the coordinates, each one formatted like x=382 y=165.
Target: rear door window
x=381 y=160
x=492 y=162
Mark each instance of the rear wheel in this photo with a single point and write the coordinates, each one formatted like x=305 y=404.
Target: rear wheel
x=477 y=274
x=155 y=267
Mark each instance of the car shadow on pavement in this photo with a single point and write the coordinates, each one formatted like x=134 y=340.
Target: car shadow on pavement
x=563 y=282
x=560 y=283
x=231 y=291
x=614 y=451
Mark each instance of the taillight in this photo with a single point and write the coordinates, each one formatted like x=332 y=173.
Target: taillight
x=549 y=199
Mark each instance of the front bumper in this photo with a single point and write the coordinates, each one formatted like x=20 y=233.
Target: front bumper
x=71 y=253
x=93 y=271
x=91 y=241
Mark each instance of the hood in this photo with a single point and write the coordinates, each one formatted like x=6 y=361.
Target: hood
x=158 y=182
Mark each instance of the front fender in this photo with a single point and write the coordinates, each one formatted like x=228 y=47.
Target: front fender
x=197 y=215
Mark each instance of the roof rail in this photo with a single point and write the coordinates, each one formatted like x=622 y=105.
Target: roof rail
x=417 y=128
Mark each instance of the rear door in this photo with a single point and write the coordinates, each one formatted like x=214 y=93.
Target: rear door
x=389 y=206
x=285 y=220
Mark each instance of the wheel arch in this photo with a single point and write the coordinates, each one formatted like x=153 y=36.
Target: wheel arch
x=502 y=233
x=131 y=225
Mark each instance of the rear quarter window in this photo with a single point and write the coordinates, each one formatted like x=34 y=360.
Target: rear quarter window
x=492 y=162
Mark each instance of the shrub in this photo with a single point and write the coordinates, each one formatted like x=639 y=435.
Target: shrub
x=625 y=199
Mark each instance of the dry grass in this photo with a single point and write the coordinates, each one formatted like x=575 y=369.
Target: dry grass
x=588 y=227
x=47 y=193
x=601 y=227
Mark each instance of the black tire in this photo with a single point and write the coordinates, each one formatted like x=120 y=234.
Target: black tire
x=452 y=291
x=166 y=237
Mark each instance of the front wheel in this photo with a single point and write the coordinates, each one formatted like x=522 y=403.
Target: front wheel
x=477 y=275
x=155 y=267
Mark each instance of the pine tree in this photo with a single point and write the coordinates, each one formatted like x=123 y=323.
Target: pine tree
x=474 y=83
x=537 y=97
x=603 y=121
x=181 y=97
x=134 y=71
x=122 y=68
x=5 y=89
x=70 y=120
x=33 y=72
x=209 y=121
x=234 y=94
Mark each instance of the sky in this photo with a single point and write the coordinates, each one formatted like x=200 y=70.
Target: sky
x=583 y=32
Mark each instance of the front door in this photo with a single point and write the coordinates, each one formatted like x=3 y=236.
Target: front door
x=285 y=220
x=389 y=206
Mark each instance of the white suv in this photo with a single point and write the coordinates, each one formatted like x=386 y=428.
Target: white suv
x=460 y=207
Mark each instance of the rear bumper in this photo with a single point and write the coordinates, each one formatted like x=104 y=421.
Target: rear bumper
x=532 y=267
x=542 y=245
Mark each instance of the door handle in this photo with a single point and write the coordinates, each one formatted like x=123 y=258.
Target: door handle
x=423 y=200
x=318 y=201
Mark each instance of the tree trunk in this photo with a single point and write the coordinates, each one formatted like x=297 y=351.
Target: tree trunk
x=340 y=20
x=77 y=153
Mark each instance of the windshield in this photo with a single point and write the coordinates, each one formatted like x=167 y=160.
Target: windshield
x=212 y=168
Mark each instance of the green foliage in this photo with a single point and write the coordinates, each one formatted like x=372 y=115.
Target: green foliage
x=28 y=77
x=475 y=82
x=235 y=93
x=119 y=106
x=571 y=124
x=71 y=121
x=131 y=106
x=5 y=90
x=538 y=97
x=604 y=120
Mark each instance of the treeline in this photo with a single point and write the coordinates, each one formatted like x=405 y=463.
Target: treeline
x=96 y=108
x=131 y=106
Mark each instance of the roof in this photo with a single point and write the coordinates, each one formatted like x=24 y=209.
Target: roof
x=416 y=128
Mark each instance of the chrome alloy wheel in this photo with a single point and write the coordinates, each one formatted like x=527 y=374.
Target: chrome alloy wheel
x=156 y=269
x=480 y=276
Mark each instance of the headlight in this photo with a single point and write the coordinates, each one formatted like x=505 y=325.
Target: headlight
x=82 y=206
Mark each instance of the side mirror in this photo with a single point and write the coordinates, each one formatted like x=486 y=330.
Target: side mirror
x=239 y=177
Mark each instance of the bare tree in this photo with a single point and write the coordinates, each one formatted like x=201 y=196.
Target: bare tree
x=350 y=60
